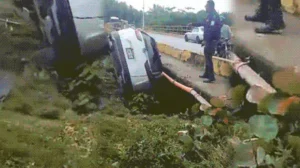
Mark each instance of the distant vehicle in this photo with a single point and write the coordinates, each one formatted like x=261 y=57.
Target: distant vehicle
x=72 y=22
x=196 y=35
x=116 y=24
x=136 y=59
x=132 y=26
x=114 y=19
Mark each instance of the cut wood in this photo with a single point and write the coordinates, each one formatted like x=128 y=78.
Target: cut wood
x=249 y=75
x=256 y=94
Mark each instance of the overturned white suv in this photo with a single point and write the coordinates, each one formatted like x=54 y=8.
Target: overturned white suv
x=72 y=23
x=136 y=59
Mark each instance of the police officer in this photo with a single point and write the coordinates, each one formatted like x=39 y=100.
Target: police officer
x=270 y=13
x=212 y=31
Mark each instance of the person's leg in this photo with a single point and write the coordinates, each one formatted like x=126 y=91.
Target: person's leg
x=276 y=23
x=205 y=75
x=219 y=49
x=261 y=13
x=208 y=60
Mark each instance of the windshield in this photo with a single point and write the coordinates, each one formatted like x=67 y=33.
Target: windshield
x=149 y=48
x=87 y=8
x=152 y=50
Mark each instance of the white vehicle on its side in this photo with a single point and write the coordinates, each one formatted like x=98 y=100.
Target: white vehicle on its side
x=136 y=60
x=73 y=23
x=196 y=35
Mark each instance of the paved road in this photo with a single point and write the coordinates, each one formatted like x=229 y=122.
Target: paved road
x=187 y=72
x=190 y=75
x=276 y=51
x=280 y=50
x=177 y=42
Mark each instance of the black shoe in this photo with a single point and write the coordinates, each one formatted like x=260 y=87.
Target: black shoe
x=282 y=25
x=256 y=18
x=270 y=29
x=203 y=76
x=209 y=81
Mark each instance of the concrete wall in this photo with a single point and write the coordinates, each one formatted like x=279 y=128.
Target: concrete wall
x=291 y=6
x=221 y=68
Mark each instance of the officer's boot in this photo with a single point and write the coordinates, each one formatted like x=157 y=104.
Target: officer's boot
x=261 y=13
x=274 y=25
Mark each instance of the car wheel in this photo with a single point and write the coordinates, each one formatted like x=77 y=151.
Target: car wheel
x=198 y=40
x=186 y=38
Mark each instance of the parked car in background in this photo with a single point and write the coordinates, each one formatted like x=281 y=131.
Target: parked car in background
x=136 y=60
x=196 y=35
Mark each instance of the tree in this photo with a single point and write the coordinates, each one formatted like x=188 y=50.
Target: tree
x=157 y=15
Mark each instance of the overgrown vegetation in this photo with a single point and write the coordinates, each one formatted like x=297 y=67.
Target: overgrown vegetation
x=157 y=15
x=88 y=126
x=94 y=81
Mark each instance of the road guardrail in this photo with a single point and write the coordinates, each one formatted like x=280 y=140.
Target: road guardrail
x=176 y=29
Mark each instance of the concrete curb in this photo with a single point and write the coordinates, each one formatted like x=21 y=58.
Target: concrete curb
x=291 y=6
x=221 y=68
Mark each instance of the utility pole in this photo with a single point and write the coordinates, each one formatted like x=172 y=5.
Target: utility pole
x=143 y=14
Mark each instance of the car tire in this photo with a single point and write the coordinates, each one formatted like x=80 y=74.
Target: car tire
x=186 y=38
x=198 y=40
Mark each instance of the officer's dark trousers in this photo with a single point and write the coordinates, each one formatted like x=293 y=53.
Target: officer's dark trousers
x=209 y=50
x=271 y=10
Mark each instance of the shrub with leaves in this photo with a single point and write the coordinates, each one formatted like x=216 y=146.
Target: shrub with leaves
x=204 y=145
x=142 y=103
x=93 y=82
x=236 y=96
x=264 y=126
x=288 y=80
x=156 y=148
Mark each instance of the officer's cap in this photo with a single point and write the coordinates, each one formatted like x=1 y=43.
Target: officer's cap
x=211 y=3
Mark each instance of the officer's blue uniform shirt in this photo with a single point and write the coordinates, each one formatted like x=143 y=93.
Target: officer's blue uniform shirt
x=212 y=27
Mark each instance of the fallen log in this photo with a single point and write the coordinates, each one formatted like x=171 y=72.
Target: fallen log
x=204 y=104
x=251 y=77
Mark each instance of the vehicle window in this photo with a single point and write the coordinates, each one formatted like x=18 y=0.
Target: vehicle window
x=87 y=8
x=148 y=45
x=202 y=28
x=195 y=30
x=153 y=53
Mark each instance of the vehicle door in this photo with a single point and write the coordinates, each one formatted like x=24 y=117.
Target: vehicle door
x=194 y=33
x=201 y=33
x=153 y=64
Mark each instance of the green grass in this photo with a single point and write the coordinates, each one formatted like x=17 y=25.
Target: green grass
x=39 y=128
